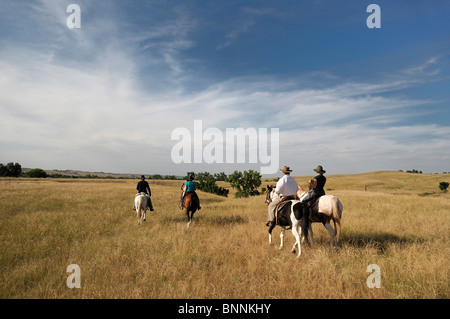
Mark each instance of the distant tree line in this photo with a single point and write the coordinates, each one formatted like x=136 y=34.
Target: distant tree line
x=159 y=176
x=415 y=171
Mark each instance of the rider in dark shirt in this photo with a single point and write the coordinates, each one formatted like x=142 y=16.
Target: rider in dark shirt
x=318 y=189
x=143 y=187
x=316 y=184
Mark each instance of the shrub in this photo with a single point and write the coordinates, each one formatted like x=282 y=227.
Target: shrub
x=245 y=183
x=36 y=173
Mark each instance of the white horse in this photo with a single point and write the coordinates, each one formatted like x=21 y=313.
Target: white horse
x=330 y=208
x=140 y=204
x=293 y=222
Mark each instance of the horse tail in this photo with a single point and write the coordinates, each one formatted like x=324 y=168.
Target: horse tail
x=305 y=220
x=302 y=211
x=337 y=214
x=140 y=208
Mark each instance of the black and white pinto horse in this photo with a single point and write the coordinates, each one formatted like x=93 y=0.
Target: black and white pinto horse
x=291 y=215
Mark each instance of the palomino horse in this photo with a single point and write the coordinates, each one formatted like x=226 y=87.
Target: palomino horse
x=329 y=208
x=291 y=215
x=191 y=204
x=140 y=204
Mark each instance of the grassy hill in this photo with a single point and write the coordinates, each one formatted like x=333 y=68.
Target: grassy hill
x=398 y=221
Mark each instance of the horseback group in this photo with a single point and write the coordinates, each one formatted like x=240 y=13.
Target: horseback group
x=189 y=199
x=291 y=207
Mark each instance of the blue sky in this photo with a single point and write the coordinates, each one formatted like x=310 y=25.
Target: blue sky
x=107 y=96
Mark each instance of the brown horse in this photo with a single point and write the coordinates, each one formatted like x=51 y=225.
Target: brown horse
x=191 y=204
x=329 y=208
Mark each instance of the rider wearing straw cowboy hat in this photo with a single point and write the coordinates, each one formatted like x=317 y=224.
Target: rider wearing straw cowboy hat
x=316 y=185
x=286 y=188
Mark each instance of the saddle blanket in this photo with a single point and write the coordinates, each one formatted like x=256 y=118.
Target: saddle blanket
x=283 y=216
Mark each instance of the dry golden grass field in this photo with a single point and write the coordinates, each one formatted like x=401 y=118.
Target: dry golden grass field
x=398 y=221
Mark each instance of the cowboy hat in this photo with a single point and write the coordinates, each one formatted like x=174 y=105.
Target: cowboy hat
x=286 y=169
x=319 y=169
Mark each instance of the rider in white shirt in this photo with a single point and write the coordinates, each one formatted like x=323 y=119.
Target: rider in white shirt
x=286 y=188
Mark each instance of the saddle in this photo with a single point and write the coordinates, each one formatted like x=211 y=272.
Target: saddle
x=284 y=201
x=280 y=218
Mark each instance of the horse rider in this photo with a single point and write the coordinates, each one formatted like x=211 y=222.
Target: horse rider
x=143 y=187
x=316 y=185
x=286 y=189
x=189 y=188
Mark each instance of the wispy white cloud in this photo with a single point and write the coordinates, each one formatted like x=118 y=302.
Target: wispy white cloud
x=247 y=18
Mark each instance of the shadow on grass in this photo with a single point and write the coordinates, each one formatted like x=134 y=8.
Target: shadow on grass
x=209 y=200
x=379 y=240
x=212 y=221
x=225 y=220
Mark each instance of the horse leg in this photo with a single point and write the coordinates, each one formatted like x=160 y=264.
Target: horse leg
x=270 y=234
x=312 y=235
x=139 y=216
x=142 y=214
x=296 y=231
x=332 y=233
x=282 y=237
x=188 y=217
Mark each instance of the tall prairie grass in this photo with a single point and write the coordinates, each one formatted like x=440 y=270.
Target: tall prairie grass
x=395 y=220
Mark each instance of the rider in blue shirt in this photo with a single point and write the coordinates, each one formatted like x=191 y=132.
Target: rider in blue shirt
x=190 y=187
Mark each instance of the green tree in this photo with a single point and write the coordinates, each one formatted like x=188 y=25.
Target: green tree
x=3 y=170
x=245 y=183
x=11 y=170
x=204 y=176
x=220 y=176
x=36 y=173
x=188 y=174
x=207 y=183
